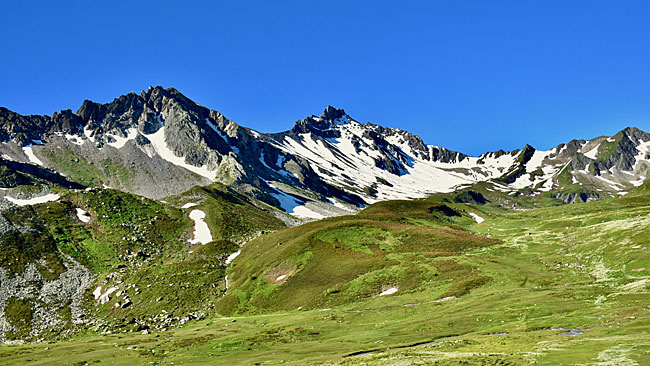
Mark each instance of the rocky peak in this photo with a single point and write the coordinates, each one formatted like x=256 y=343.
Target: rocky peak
x=525 y=154
x=635 y=135
x=331 y=114
x=322 y=126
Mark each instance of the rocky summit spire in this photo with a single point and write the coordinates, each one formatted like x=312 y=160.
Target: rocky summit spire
x=331 y=113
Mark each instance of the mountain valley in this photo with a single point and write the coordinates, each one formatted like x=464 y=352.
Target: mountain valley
x=155 y=230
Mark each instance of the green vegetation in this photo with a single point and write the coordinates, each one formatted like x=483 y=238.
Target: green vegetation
x=138 y=245
x=502 y=292
x=74 y=165
x=350 y=258
x=18 y=313
x=86 y=172
x=229 y=214
x=30 y=242
x=606 y=148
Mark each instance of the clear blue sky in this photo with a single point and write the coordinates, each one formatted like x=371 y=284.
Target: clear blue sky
x=472 y=76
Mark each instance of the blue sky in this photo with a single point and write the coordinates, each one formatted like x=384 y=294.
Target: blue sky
x=472 y=76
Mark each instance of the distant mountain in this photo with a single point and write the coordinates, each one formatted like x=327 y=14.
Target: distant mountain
x=160 y=143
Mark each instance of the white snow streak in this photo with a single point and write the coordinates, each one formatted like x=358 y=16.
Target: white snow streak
x=30 y=154
x=476 y=217
x=390 y=291
x=232 y=257
x=33 y=201
x=158 y=141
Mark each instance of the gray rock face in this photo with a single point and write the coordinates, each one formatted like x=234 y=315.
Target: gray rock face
x=46 y=299
x=440 y=154
x=579 y=197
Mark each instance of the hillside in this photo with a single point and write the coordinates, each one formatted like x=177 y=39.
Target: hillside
x=74 y=259
x=556 y=285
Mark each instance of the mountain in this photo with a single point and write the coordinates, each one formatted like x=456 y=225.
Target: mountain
x=156 y=230
x=160 y=143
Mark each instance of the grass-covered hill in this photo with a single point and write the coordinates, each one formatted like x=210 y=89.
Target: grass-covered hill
x=553 y=285
x=402 y=245
x=55 y=255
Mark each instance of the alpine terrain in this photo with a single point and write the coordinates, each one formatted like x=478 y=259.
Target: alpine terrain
x=152 y=229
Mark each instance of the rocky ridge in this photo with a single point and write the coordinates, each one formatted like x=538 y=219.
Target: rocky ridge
x=159 y=142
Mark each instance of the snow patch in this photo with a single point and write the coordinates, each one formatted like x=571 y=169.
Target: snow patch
x=304 y=212
x=30 y=154
x=262 y=159
x=120 y=141
x=591 y=154
x=201 y=230
x=293 y=205
x=105 y=297
x=338 y=203
x=536 y=160
x=390 y=291
x=33 y=201
x=281 y=159
x=83 y=215
x=574 y=180
x=74 y=139
x=232 y=257
x=88 y=133
x=639 y=182
x=189 y=204
x=644 y=149
x=476 y=217
x=614 y=185
x=280 y=278
x=158 y=141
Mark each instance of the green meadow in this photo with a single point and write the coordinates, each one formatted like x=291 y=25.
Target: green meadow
x=400 y=283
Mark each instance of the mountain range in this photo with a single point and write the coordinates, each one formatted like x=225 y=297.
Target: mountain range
x=153 y=230
x=160 y=143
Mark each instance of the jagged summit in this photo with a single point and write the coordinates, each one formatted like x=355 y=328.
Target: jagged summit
x=324 y=124
x=331 y=114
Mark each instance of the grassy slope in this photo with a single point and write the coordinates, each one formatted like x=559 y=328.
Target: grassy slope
x=580 y=266
x=139 y=245
x=230 y=215
x=346 y=259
